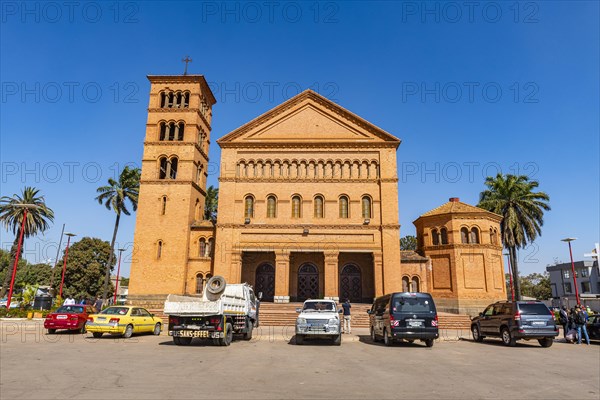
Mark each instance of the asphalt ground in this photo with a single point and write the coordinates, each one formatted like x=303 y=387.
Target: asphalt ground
x=35 y=365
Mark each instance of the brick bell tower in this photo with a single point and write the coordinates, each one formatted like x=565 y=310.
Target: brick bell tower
x=172 y=187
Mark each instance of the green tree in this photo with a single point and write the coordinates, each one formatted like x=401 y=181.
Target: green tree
x=408 y=242
x=115 y=197
x=12 y=212
x=124 y=282
x=87 y=261
x=211 y=203
x=536 y=285
x=522 y=210
x=34 y=275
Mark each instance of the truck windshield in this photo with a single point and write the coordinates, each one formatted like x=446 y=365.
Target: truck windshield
x=403 y=304
x=319 y=306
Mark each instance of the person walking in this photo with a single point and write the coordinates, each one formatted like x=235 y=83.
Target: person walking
x=347 y=317
x=69 y=301
x=580 y=319
x=564 y=320
x=98 y=304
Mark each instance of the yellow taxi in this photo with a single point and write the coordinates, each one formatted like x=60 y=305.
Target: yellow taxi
x=124 y=321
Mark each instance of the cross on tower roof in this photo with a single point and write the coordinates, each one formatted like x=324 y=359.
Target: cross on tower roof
x=186 y=60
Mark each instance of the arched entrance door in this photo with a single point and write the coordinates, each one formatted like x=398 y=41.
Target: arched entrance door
x=308 y=282
x=351 y=283
x=265 y=281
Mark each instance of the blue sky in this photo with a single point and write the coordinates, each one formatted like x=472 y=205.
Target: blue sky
x=470 y=90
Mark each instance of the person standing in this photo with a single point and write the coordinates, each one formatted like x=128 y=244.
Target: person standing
x=69 y=301
x=564 y=320
x=98 y=304
x=347 y=317
x=580 y=319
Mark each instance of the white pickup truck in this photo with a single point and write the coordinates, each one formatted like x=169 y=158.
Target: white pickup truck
x=223 y=310
x=319 y=319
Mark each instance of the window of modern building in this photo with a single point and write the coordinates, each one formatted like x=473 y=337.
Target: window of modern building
x=319 y=212
x=344 y=207
x=583 y=273
x=567 y=287
x=585 y=287
x=566 y=274
x=296 y=207
x=271 y=207
x=249 y=207
x=366 y=207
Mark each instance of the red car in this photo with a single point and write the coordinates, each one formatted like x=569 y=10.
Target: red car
x=71 y=317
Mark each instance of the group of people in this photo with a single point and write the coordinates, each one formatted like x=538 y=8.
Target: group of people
x=97 y=303
x=574 y=323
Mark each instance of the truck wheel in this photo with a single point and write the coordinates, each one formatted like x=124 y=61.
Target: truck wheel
x=216 y=285
x=97 y=335
x=228 y=337
x=337 y=340
x=248 y=334
x=546 y=342
x=299 y=339
x=386 y=339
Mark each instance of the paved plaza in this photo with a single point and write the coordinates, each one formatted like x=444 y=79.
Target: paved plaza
x=35 y=365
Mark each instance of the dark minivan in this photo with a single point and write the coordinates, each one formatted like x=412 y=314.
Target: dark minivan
x=512 y=321
x=404 y=316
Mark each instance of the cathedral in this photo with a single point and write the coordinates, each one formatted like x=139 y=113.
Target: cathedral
x=308 y=208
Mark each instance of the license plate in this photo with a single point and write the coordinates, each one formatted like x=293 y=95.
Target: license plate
x=197 y=334
x=415 y=324
x=61 y=317
x=101 y=318
x=538 y=323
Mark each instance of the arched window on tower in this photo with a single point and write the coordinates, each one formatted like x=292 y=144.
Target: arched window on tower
x=464 y=235
x=435 y=239
x=163 y=99
x=163 y=131
x=474 y=236
x=415 y=284
x=296 y=207
x=366 y=207
x=405 y=284
x=164 y=166
x=199 y=283
x=444 y=235
x=249 y=207
x=163 y=205
x=170 y=100
x=186 y=100
x=344 y=207
x=202 y=247
x=319 y=211
x=173 y=167
x=271 y=207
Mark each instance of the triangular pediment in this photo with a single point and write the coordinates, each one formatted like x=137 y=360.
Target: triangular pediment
x=308 y=117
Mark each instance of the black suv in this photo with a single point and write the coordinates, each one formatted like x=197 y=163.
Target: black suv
x=407 y=316
x=512 y=321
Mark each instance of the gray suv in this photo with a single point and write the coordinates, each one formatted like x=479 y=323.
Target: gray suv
x=512 y=321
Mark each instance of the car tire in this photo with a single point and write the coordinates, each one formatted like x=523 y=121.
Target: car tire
x=546 y=342
x=156 y=331
x=128 y=331
x=373 y=335
x=51 y=331
x=228 y=337
x=337 y=340
x=249 y=329
x=507 y=338
x=476 y=333
x=386 y=339
x=97 y=335
x=299 y=340
x=429 y=342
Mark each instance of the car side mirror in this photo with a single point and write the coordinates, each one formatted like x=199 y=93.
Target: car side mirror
x=298 y=310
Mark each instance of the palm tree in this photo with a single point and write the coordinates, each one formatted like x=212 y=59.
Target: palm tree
x=211 y=203
x=522 y=210
x=115 y=196
x=12 y=210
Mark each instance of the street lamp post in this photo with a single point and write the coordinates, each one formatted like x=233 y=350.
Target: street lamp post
x=62 y=279
x=512 y=290
x=569 y=240
x=118 y=273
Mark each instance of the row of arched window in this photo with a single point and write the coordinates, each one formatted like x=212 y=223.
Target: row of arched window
x=174 y=99
x=318 y=206
x=308 y=169
x=410 y=284
x=167 y=167
x=171 y=131
x=467 y=236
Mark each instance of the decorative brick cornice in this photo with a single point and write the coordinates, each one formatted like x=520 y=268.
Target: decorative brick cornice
x=301 y=226
x=172 y=182
x=325 y=146
x=462 y=246
x=309 y=180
